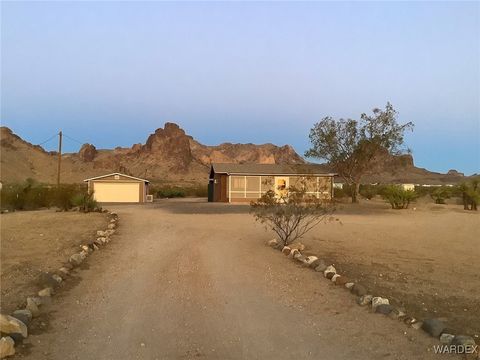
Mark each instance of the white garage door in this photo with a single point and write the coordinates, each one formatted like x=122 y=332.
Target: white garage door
x=116 y=192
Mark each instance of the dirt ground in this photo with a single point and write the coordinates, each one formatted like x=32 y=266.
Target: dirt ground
x=426 y=259
x=39 y=241
x=184 y=279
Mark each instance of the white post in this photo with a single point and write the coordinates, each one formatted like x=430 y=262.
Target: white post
x=245 y=187
x=318 y=194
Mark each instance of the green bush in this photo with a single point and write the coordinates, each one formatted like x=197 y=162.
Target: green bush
x=31 y=195
x=85 y=202
x=368 y=191
x=397 y=197
x=170 y=193
x=440 y=194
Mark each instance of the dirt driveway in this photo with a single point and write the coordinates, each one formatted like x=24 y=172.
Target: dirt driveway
x=185 y=280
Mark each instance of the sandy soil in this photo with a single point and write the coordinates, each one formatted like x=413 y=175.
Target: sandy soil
x=38 y=241
x=183 y=280
x=426 y=260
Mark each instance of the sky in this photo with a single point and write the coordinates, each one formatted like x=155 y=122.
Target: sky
x=110 y=73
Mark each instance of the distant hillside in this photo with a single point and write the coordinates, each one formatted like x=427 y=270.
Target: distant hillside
x=169 y=155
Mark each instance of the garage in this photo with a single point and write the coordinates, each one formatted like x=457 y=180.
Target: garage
x=118 y=188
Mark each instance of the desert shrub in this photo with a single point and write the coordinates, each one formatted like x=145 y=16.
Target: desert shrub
x=85 y=202
x=291 y=215
x=170 y=192
x=31 y=195
x=368 y=191
x=440 y=194
x=470 y=193
x=397 y=197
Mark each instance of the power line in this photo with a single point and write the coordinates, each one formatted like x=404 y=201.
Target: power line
x=51 y=138
x=77 y=141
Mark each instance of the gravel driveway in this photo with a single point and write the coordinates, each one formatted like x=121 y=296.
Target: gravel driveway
x=187 y=280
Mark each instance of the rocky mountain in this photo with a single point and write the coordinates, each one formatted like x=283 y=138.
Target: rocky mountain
x=169 y=155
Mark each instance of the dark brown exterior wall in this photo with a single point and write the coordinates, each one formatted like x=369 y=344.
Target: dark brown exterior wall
x=220 y=188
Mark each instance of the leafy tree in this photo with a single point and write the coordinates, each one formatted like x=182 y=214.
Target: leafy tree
x=350 y=146
x=290 y=214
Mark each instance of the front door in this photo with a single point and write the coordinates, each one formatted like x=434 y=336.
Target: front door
x=281 y=186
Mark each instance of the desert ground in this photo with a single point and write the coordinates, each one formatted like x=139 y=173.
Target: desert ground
x=33 y=242
x=185 y=279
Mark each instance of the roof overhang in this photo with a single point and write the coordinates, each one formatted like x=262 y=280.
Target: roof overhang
x=113 y=174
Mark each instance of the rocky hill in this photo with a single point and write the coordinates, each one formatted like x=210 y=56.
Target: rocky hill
x=169 y=155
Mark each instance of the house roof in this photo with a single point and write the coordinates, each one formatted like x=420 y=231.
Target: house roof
x=271 y=169
x=112 y=174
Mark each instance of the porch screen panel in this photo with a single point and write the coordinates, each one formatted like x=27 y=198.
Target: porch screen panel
x=324 y=187
x=253 y=187
x=267 y=183
x=311 y=183
x=238 y=184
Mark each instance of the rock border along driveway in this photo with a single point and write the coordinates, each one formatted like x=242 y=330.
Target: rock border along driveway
x=14 y=327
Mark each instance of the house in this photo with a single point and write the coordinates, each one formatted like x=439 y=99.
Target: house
x=118 y=188
x=247 y=182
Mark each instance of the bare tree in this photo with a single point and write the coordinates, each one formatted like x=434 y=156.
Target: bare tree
x=350 y=146
x=290 y=214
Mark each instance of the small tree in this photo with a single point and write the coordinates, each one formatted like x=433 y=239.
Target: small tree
x=470 y=192
x=291 y=214
x=398 y=197
x=350 y=146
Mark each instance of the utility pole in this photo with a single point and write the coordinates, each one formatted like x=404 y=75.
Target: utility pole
x=59 y=156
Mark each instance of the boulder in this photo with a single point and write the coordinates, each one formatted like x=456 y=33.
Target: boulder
x=321 y=266
x=95 y=247
x=101 y=233
x=57 y=278
x=299 y=257
x=109 y=232
x=349 y=285
x=64 y=271
x=329 y=270
x=359 y=290
x=341 y=280
x=384 y=309
x=45 y=292
x=446 y=338
x=12 y=326
x=24 y=316
x=48 y=280
x=292 y=253
x=7 y=347
x=76 y=259
x=68 y=265
x=377 y=300
x=463 y=340
x=32 y=306
x=397 y=314
x=286 y=250
x=416 y=324
x=298 y=246
x=329 y=275
x=434 y=327
x=364 y=300
x=272 y=243
x=112 y=226
x=335 y=277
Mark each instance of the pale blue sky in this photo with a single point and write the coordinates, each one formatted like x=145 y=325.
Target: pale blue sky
x=110 y=73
